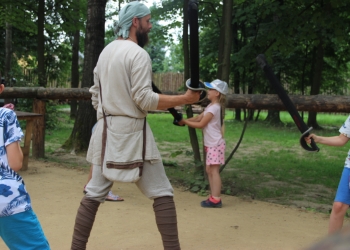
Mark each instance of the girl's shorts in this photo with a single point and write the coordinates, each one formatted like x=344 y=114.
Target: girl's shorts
x=343 y=192
x=216 y=154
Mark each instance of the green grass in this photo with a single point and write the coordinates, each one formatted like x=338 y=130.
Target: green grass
x=55 y=138
x=269 y=165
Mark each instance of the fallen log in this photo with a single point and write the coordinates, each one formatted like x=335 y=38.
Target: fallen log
x=47 y=93
x=315 y=103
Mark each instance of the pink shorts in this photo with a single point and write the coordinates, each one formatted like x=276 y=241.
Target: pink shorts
x=216 y=154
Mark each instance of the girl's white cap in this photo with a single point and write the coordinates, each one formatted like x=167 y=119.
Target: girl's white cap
x=218 y=85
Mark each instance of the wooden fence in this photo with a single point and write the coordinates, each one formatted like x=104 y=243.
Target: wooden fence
x=172 y=82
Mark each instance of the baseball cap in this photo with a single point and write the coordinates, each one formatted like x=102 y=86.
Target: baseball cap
x=218 y=85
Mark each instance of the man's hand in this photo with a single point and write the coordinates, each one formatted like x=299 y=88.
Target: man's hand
x=170 y=101
x=192 y=96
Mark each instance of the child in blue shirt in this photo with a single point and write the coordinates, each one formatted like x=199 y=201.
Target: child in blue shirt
x=19 y=226
x=342 y=198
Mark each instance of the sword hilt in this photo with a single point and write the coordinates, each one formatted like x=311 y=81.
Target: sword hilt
x=304 y=145
x=201 y=87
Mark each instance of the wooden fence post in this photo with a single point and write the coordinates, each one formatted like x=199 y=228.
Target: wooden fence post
x=38 y=144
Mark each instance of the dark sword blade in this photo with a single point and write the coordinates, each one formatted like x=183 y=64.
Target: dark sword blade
x=303 y=128
x=194 y=42
x=177 y=116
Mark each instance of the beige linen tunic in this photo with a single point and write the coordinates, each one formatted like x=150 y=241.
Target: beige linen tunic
x=124 y=70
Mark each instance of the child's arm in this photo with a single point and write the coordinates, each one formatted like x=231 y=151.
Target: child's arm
x=200 y=123
x=14 y=155
x=337 y=141
x=197 y=118
x=192 y=119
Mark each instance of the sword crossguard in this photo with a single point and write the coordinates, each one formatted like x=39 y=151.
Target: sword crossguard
x=201 y=87
x=304 y=145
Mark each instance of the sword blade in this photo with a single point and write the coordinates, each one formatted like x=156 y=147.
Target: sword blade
x=194 y=42
x=177 y=116
x=282 y=94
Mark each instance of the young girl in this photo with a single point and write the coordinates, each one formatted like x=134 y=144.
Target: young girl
x=211 y=121
x=342 y=198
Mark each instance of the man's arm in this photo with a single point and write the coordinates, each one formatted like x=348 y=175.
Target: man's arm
x=170 y=101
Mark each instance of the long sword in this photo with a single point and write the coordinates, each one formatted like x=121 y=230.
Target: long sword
x=193 y=83
x=303 y=128
x=177 y=116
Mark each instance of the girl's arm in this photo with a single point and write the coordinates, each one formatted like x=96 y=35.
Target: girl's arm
x=201 y=123
x=337 y=141
x=14 y=155
x=197 y=118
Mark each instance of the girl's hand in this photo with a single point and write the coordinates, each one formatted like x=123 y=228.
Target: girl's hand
x=311 y=136
x=182 y=122
x=9 y=106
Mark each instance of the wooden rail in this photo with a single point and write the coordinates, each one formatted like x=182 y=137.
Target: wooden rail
x=316 y=103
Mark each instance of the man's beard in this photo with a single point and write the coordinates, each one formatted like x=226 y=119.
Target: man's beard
x=142 y=37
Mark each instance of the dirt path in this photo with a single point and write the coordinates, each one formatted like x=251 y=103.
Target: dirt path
x=240 y=224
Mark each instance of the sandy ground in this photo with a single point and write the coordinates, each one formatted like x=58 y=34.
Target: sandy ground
x=240 y=224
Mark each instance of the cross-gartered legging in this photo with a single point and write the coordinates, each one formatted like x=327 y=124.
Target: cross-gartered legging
x=154 y=184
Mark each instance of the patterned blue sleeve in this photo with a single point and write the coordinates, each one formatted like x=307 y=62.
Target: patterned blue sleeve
x=12 y=130
x=345 y=128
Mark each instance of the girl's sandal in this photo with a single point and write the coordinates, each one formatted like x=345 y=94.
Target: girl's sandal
x=113 y=197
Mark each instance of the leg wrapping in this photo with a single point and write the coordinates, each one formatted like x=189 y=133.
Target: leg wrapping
x=83 y=223
x=164 y=209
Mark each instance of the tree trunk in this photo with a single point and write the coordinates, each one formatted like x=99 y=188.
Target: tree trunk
x=8 y=55
x=250 y=116
x=189 y=112
x=226 y=38
x=302 y=81
x=273 y=116
x=8 y=59
x=236 y=74
x=41 y=44
x=94 y=44
x=75 y=62
x=316 y=83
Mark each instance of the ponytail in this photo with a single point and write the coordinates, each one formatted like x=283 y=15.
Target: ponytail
x=222 y=102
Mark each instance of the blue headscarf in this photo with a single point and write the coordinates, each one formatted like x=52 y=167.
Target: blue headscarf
x=126 y=14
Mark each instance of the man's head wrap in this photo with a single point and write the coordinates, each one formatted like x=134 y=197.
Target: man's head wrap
x=126 y=14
